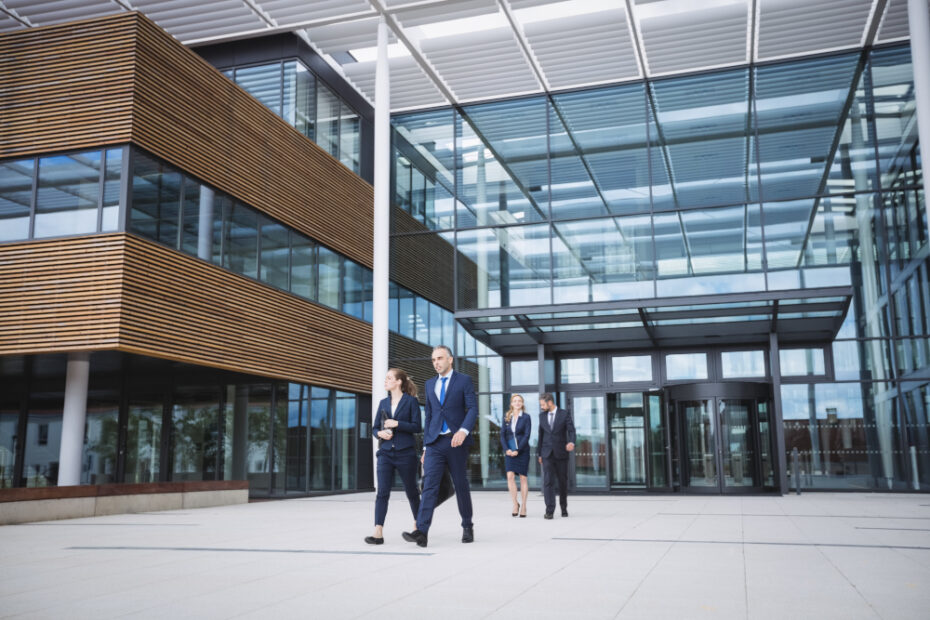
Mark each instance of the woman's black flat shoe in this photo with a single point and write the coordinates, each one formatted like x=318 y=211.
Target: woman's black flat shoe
x=371 y=540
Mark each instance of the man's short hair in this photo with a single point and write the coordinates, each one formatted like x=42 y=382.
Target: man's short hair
x=547 y=397
x=442 y=346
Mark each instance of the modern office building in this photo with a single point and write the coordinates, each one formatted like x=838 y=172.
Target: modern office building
x=701 y=224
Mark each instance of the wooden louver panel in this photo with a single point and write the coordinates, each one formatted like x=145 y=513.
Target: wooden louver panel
x=120 y=292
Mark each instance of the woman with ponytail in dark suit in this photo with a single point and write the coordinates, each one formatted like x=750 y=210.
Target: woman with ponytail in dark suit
x=397 y=423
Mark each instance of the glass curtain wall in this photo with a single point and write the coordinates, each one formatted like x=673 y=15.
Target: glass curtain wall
x=793 y=175
x=293 y=92
x=178 y=423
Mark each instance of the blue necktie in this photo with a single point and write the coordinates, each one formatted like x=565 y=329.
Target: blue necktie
x=442 y=398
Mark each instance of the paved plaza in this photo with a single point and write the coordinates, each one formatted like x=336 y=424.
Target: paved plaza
x=811 y=556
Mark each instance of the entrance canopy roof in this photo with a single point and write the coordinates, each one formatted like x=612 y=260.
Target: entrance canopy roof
x=813 y=315
x=457 y=51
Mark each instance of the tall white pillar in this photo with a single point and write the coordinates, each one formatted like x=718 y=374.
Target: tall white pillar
x=382 y=232
x=205 y=225
x=72 y=425
x=918 y=20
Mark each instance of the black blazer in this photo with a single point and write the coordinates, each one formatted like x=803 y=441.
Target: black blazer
x=552 y=440
x=408 y=422
x=522 y=437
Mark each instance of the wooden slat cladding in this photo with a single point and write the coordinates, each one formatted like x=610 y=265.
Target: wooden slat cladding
x=120 y=292
x=177 y=307
x=61 y=295
x=191 y=115
x=66 y=86
x=119 y=79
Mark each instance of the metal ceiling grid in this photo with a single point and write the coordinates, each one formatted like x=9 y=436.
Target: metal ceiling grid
x=695 y=38
x=796 y=27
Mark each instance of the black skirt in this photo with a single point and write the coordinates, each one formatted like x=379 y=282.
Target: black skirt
x=519 y=464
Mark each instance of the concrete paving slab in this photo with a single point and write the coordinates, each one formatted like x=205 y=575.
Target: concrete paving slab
x=811 y=556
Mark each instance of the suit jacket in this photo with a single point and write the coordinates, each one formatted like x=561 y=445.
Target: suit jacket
x=522 y=436
x=459 y=409
x=552 y=440
x=407 y=415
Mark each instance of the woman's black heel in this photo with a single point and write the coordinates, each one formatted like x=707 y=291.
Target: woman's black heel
x=517 y=512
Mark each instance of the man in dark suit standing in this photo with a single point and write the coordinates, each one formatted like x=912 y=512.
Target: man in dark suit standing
x=451 y=412
x=556 y=440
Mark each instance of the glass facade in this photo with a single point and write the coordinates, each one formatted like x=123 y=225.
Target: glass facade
x=290 y=90
x=761 y=226
x=180 y=423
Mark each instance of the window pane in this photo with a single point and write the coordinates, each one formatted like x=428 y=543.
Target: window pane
x=155 y=200
x=346 y=440
x=193 y=197
x=582 y=370
x=686 y=366
x=801 y=362
x=143 y=439
x=111 y=190
x=632 y=368
x=303 y=266
x=321 y=439
x=353 y=288
x=263 y=83
x=393 y=305
x=275 y=252
x=329 y=277
x=305 y=101
x=240 y=251
x=98 y=464
x=349 y=138
x=591 y=441
x=407 y=314
x=327 y=122
x=742 y=364
x=15 y=198
x=68 y=194
x=194 y=424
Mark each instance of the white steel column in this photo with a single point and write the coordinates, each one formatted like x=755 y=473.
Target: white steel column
x=381 y=258
x=918 y=20
x=72 y=425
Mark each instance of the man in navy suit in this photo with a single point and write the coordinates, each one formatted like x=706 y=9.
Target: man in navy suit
x=556 y=440
x=451 y=412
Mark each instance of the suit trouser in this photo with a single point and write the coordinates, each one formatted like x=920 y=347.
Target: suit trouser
x=439 y=455
x=555 y=469
x=404 y=461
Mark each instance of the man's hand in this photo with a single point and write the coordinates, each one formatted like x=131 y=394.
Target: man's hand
x=459 y=438
x=422 y=457
x=390 y=423
x=570 y=446
x=385 y=434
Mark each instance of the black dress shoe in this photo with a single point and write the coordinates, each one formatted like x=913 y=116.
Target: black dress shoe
x=564 y=512
x=415 y=536
x=548 y=515
x=468 y=534
x=374 y=540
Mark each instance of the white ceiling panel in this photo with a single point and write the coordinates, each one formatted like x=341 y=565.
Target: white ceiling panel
x=688 y=38
x=480 y=65
x=894 y=25
x=444 y=12
x=410 y=87
x=197 y=19
x=584 y=49
x=45 y=12
x=346 y=36
x=794 y=27
x=295 y=11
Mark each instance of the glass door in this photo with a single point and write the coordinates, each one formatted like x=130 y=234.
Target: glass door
x=723 y=436
x=590 y=459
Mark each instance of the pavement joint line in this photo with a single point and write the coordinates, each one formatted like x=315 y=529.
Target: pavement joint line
x=242 y=550
x=895 y=529
x=737 y=514
x=112 y=524
x=746 y=542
